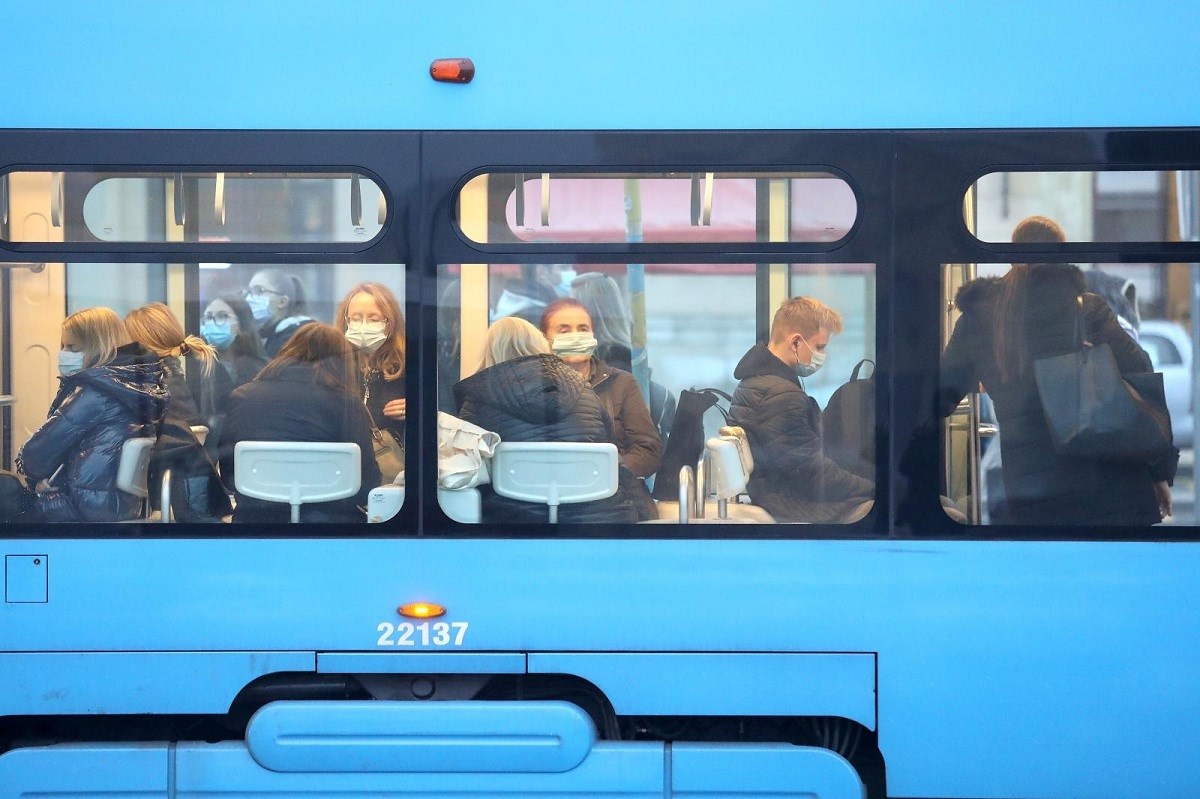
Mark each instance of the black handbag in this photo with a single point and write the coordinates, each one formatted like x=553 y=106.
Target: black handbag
x=1093 y=411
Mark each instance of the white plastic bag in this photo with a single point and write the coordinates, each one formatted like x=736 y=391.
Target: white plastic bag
x=464 y=450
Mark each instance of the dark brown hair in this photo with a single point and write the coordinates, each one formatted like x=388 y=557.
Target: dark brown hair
x=322 y=347
x=1009 y=344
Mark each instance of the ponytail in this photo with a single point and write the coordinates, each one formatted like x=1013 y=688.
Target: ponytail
x=201 y=349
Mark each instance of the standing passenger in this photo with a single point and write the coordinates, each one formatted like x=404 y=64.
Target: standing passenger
x=371 y=319
x=306 y=393
x=110 y=391
x=278 y=303
x=155 y=327
x=793 y=479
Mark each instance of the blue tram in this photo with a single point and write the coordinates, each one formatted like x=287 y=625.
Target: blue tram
x=710 y=164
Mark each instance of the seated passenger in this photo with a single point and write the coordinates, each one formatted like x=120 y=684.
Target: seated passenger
x=229 y=327
x=568 y=328
x=196 y=491
x=306 y=393
x=372 y=321
x=793 y=479
x=524 y=393
x=278 y=303
x=111 y=390
x=612 y=326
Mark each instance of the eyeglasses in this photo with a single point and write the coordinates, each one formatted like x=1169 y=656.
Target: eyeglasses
x=220 y=317
x=258 y=291
x=373 y=318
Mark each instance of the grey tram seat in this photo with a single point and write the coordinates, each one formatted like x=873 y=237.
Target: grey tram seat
x=554 y=473
x=297 y=472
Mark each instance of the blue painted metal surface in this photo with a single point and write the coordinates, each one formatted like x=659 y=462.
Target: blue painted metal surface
x=420 y=737
x=801 y=685
x=421 y=663
x=70 y=771
x=26 y=578
x=129 y=682
x=766 y=64
x=712 y=771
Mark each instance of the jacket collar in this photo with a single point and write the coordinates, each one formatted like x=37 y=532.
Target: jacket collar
x=761 y=361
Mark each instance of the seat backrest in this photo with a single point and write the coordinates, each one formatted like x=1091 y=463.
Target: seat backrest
x=743 y=445
x=297 y=472
x=134 y=466
x=727 y=475
x=554 y=473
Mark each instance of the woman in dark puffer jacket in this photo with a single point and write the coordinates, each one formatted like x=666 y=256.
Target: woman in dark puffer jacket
x=111 y=390
x=523 y=393
x=1037 y=311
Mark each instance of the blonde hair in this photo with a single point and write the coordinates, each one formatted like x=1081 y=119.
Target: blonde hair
x=389 y=358
x=99 y=331
x=512 y=337
x=805 y=316
x=156 y=328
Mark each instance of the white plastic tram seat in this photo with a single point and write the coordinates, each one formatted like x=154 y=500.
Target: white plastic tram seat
x=167 y=515
x=554 y=473
x=297 y=472
x=133 y=470
x=723 y=474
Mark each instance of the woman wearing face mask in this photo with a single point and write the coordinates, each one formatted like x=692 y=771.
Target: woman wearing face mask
x=277 y=301
x=228 y=325
x=111 y=390
x=371 y=319
x=567 y=325
x=156 y=328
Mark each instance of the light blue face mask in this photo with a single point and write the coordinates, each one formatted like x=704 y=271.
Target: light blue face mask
x=218 y=334
x=810 y=369
x=69 y=362
x=260 y=306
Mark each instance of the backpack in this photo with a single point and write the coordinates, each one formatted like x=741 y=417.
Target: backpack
x=685 y=443
x=848 y=424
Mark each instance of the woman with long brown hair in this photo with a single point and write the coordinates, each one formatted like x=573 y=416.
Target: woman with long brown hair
x=373 y=322
x=306 y=393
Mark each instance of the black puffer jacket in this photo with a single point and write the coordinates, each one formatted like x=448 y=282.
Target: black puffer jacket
x=539 y=398
x=91 y=417
x=1042 y=487
x=792 y=478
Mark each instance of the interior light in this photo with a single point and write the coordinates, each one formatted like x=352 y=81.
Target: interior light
x=421 y=610
x=452 y=70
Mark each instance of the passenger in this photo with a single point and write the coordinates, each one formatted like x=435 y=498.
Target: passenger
x=155 y=327
x=373 y=322
x=523 y=393
x=110 y=390
x=793 y=479
x=278 y=303
x=601 y=295
x=306 y=393
x=568 y=327
x=228 y=325
x=196 y=491
x=527 y=295
x=1035 y=311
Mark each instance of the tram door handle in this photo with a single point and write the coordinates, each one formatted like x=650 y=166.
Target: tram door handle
x=988 y=430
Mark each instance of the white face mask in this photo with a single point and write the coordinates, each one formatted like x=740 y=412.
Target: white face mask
x=260 y=306
x=582 y=343
x=69 y=362
x=810 y=369
x=366 y=336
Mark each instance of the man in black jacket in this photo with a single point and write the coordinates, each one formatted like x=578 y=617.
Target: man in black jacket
x=792 y=478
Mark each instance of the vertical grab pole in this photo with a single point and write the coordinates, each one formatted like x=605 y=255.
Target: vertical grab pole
x=1187 y=190
x=636 y=276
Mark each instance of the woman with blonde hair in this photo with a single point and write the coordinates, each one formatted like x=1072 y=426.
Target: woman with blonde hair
x=371 y=319
x=306 y=393
x=111 y=390
x=157 y=329
x=524 y=393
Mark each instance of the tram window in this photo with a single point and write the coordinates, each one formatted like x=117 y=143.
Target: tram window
x=1096 y=206
x=998 y=459
x=233 y=207
x=698 y=322
x=313 y=392
x=667 y=207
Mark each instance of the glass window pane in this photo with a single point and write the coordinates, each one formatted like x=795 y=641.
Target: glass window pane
x=660 y=208
x=155 y=373
x=1001 y=463
x=647 y=339
x=233 y=207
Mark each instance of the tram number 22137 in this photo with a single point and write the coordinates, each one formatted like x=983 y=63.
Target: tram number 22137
x=424 y=634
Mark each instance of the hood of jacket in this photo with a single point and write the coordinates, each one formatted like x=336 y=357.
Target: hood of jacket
x=539 y=389
x=133 y=378
x=759 y=360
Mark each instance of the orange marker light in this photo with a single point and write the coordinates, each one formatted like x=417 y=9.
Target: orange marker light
x=421 y=610
x=452 y=70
